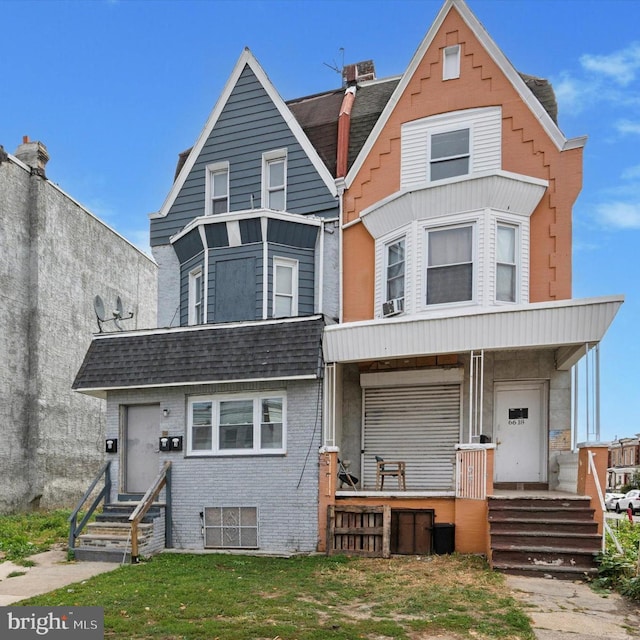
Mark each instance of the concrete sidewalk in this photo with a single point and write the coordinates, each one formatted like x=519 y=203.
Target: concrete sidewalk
x=564 y=610
x=51 y=571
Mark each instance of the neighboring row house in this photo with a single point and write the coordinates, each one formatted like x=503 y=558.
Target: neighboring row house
x=624 y=462
x=380 y=272
x=55 y=258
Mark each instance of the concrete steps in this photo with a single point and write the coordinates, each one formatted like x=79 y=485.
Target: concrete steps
x=108 y=538
x=544 y=536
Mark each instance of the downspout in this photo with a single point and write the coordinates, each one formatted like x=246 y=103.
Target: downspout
x=321 y=274
x=342 y=157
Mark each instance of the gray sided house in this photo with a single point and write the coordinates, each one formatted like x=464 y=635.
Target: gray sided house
x=228 y=388
x=55 y=258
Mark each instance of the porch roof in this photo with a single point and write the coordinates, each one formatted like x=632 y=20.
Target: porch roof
x=566 y=325
x=287 y=349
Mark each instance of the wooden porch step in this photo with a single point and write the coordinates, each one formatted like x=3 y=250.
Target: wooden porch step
x=560 y=573
x=543 y=555
x=543 y=536
x=582 y=541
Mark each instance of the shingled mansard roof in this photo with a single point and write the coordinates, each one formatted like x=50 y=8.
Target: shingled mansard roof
x=245 y=351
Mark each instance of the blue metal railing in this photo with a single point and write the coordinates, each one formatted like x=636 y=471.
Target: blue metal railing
x=74 y=528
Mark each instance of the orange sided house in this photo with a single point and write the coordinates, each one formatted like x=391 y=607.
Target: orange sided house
x=449 y=389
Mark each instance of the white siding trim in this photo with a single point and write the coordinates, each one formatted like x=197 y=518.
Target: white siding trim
x=538 y=325
x=485 y=143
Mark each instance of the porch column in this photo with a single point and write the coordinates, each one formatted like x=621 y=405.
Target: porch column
x=328 y=474
x=588 y=480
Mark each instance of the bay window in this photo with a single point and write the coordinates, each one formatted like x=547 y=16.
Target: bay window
x=228 y=425
x=285 y=287
x=395 y=275
x=506 y=263
x=196 y=296
x=449 y=265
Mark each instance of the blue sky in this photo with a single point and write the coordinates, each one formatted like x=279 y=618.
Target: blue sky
x=117 y=88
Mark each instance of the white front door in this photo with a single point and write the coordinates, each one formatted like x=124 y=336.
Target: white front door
x=142 y=430
x=520 y=432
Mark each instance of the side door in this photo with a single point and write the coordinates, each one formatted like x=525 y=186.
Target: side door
x=141 y=455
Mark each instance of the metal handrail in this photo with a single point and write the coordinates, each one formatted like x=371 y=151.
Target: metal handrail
x=162 y=479
x=75 y=528
x=605 y=525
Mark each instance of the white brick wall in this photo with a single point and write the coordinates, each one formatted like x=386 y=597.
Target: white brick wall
x=283 y=487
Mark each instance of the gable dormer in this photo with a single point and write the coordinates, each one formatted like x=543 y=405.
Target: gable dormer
x=467 y=177
x=241 y=233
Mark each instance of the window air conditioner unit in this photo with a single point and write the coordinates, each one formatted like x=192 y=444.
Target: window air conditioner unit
x=392 y=307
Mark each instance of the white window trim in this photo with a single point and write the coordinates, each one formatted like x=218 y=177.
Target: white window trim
x=475 y=262
x=194 y=274
x=217 y=167
x=279 y=261
x=451 y=62
x=215 y=401
x=267 y=159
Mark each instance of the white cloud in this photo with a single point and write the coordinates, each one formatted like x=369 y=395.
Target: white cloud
x=570 y=93
x=620 y=66
x=631 y=173
x=619 y=215
x=627 y=126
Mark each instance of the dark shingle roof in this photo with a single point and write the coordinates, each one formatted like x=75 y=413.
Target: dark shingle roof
x=318 y=117
x=544 y=93
x=217 y=353
x=371 y=99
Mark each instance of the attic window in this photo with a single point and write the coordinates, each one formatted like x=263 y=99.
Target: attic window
x=451 y=63
x=274 y=180
x=217 y=188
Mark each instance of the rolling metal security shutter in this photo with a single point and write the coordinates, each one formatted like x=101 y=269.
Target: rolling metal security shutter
x=417 y=424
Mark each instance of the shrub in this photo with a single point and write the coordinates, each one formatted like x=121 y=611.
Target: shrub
x=619 y=571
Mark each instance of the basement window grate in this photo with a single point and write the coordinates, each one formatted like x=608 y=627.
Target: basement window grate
x=231 y=527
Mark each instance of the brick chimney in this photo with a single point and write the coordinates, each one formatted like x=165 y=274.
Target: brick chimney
x=354 y=73
x=34 y=155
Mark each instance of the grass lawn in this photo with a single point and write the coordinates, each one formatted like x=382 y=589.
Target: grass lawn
x=233 y=597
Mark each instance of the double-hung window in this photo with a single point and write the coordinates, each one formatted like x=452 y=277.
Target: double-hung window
x=274 y=180
x=395 y=270
x=449 y=154
x=217 y=188
x=449 y=265
x=196 y=296
x=285 y=287
x=230 y=425
x=506 y=271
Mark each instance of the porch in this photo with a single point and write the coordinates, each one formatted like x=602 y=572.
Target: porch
x=519 y=531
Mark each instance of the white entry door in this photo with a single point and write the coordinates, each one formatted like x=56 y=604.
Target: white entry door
x=142 y=424
x=520 y=432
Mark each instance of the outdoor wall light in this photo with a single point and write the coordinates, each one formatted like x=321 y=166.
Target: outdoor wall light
x=166 y=412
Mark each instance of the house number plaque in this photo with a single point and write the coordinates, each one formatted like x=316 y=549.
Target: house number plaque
x=518 y=416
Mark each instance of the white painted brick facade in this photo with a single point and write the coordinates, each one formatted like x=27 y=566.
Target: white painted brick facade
x=283 y=487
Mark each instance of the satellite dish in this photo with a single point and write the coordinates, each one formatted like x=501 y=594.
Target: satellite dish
x=117 y=313
x=98 y=306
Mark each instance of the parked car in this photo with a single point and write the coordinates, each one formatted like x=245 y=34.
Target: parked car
x=631 y=500
x=610 y=500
